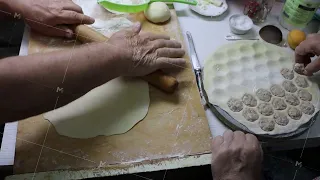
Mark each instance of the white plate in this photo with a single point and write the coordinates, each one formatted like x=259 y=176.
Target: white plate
x=210 y=10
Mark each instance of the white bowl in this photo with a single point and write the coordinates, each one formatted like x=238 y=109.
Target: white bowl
x=242 y=26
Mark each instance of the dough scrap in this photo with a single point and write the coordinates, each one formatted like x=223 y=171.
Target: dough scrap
x=266 y=124
x=281 y=118
x=304 y=95
x=294 y=113
x=301 y=82
x=250 y=114
x=277 y=90
x=235 y=105
x=287 y=73
x=112 y=108
x=157 y=12
x=263 y=95
x=289 y=86
x=265 y=109
x=249 y=100
x=298 y=68
x=278 y=104
x=307 y=108
x=292 y=99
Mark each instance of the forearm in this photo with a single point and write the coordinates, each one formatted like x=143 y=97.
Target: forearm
x=31 y=85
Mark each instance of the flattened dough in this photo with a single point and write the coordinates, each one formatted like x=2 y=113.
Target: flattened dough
x=113 y=108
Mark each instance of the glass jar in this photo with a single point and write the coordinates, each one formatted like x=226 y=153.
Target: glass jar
x=258 y=10
x=296 y=14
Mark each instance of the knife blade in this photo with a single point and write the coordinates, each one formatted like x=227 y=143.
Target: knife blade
x=193 y=54
x=196 y=68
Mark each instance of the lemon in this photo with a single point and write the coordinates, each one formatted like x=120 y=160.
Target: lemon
x=295 y=37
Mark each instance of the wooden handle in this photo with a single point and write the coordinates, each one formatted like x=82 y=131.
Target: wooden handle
x=158 y=79
x=86 y=34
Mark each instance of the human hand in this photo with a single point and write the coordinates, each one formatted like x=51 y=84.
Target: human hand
x=236 y=156
x=144 y=53
x=49 y=17
x=307 y=49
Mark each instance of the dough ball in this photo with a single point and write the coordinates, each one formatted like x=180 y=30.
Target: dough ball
x=278 y=104
x=281 y=118
x=250 y=114
x=263 y=95
x=266 y=124
x=298 y=68
x=265 y=109
x=287 y=73
x=277 y=90
x=294 y=113
x=301 y=82
x=249 y=100
x=157 y=12
x=304 y=95
x=289 y=86
x=307 y=108
x=292 y=99
x=235 y=105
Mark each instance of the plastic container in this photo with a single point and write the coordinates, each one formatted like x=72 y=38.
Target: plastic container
x=240 y=24
x=135 y=8
x=296 y=14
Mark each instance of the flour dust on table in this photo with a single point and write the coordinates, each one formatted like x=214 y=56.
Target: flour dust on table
x=257 y=84
x=113 y=108
x=103 y=23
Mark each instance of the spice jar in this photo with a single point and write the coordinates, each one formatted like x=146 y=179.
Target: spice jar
x=258 y=10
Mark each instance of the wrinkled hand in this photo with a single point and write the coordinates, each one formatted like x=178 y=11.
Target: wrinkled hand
x=144 y=53
x=49 y=17
x=236 y=156
x=307 y=49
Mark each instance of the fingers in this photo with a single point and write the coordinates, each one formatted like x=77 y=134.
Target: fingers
x=132 y=31
x=170 y=52
x=57 y=31
x=254 y=145
x=239 y=138
x=136 y=28
x=72 y=17
x=152 y=36
x=162 y=43
x=216 y=143
x=252 y=141
x=237 y=143
x=163 y=62
x=307 y=49
x=228 y=136
x=72 y=7
x=313 y=67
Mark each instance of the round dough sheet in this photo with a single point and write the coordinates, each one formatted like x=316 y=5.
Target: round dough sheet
x=112 y=108
x=260 y=76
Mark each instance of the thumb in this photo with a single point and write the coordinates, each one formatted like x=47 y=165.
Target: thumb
x=135 y=29
x=312 y=67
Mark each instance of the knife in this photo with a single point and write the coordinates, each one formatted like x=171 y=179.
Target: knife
x=196 y=68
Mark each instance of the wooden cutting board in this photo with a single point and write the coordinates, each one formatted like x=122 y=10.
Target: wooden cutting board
x=175 y=125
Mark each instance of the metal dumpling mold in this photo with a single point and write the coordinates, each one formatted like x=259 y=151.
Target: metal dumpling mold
x=255 y=83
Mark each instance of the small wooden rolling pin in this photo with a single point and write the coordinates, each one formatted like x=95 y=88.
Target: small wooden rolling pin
x=158 y=79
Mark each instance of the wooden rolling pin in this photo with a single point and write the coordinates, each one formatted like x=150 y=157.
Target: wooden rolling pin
x=158 y=79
